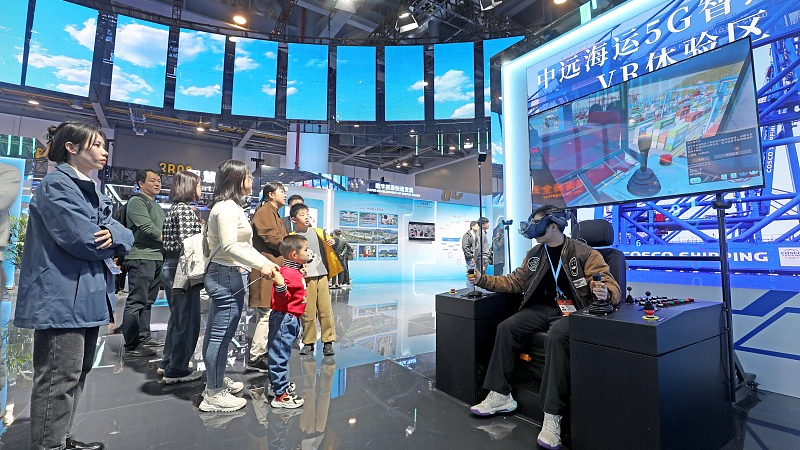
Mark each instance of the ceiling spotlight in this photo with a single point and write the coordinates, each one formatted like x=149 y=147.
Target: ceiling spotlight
x=406 y=21
x=33 y=102
x=233 y=38
x=405 y=164
x=201 y=129
x=417 y=162
x=346 y=5
x=239 y=19
x=559 y=2
x=398 y=165
x=468 y=144
x=489 y=4
x=356 y=126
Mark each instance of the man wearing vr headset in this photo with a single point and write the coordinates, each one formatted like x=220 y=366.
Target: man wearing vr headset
x=547 y=302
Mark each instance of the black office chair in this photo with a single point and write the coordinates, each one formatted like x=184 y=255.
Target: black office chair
x=599 y=234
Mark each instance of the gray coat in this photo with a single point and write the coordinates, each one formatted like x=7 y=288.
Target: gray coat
x=64 y=281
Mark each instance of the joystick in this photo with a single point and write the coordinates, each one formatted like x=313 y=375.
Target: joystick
x=644 y=182
x=598 y=306
x=629 y=298
x=649 y=310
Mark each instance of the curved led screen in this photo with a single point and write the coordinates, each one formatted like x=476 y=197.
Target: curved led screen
x=355 y=83
x=62 y=47
x=140 y=62
x=307 y=82
x=405 y=83
x=198 y=77
x=255 y=71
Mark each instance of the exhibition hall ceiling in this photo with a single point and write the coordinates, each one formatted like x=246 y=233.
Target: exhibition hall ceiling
x=377 y=144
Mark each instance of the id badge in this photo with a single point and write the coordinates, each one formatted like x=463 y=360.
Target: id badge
x=566 y=306
x=112 y=266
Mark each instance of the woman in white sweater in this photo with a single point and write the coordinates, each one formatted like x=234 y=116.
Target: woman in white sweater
x=230 y=241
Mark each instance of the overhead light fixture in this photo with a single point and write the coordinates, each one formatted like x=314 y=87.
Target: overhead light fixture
x=559 y=2
x=398 y=165
x=346 y=5
x=404 y=164
x=406 y=21
x=356 y=126
x=417 y=162
x=33 y=102
x=239 y=19
x=489 y=4
x=233 y=38
x=201 y=129
x=467 y=144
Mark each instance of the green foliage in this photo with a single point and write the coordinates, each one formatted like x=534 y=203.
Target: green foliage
x=19 y=225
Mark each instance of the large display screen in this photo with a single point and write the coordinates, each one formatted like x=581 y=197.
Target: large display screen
x=355 y=83
x=12 y=35
x=687 y=129
x=255 y=71
x=198 y=79
x=62 y=47
x=454 y=81
x=307 y=82
x=405 y=83
x=140 y=62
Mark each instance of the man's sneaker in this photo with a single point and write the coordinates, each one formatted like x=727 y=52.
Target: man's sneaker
x=494 y=403
x=234 y=386
x=287 y=400
x=161 y=371
x=258 y=364
x=222 y=401
x=139 y=351
x=194 y=375
x=307 y=349
x=327 y=349
x=153 y=343
x=550 y=437
x=219 y=420
x=290 y=388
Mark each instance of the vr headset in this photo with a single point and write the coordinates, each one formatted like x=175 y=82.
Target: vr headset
x=532 y=229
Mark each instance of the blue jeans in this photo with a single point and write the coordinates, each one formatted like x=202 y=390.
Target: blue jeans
x=225 y=286
x=183 y=327
x=283 y=329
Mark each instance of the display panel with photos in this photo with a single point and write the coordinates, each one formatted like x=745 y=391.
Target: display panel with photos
x=421 y=231
x=686 y=129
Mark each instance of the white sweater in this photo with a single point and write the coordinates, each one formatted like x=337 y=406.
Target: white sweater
x=230 y=232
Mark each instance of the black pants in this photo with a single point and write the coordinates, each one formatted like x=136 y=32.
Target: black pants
x=512 y=334
x=61 y=359
x=144 y=278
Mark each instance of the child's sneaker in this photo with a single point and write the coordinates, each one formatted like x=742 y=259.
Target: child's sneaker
x=287 y=400
x=290 y=388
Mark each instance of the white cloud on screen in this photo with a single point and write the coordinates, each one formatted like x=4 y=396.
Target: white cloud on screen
x=497 y=149
x=453 y=86
x=465 y=111
x=141 y=45
x=123 y=85
x=290 y=91
x=243 y=63
x=73 y=89
x=84 y=36
x=190 y=45
x=197 y=91
x=316 y=62
x=271 y=89
x=418 y=86
x=271 y=55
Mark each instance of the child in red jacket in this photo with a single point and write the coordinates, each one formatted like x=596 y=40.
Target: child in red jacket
x=288 y=305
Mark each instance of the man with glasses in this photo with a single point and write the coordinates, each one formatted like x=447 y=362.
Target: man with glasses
x=555 y=279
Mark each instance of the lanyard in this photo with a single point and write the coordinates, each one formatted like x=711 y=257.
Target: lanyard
x=555 y=271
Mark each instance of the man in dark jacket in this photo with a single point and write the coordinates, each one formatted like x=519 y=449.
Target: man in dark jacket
x=555 y=279
x=291 y=201
x=468 y=244
x=146 y=219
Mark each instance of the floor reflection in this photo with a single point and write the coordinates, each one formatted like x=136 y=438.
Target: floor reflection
x=377 y=392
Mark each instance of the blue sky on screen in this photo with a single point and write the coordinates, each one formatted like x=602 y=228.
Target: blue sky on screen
x=355 y=83
x=405 y=75
x=140 y=62
x=12 y=35
x=307 y=82
x=62 y=46
x=254 y=74
x=198 y=85
x=454 y=81
x=492 y=47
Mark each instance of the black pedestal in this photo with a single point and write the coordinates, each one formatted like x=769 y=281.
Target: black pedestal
x=653 y=385
x=465 y=330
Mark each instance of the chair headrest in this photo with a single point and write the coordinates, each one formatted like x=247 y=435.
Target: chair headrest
x=596 y=233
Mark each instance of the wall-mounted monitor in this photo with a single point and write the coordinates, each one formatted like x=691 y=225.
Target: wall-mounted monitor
x=421 y=231
x=687 y=129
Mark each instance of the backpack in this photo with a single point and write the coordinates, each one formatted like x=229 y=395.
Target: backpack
x=121 y=216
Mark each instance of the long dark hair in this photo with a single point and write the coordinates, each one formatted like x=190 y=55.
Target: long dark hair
x=184 y=187
x=78 y=133
x=230 y=179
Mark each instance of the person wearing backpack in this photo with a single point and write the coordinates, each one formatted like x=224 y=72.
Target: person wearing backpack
x=145 y=218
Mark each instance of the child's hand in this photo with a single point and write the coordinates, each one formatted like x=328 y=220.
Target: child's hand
x=277 y=277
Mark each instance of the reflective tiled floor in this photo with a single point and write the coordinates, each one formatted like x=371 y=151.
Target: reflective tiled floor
x=378 y=391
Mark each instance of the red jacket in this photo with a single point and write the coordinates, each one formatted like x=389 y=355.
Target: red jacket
x=290 y=298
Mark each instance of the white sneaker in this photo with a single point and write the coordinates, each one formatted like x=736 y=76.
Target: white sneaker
x=550 y=437
x=194 y=375
x=494 y=403
x=290 y=388
x=223 y=401
x=234 y=386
